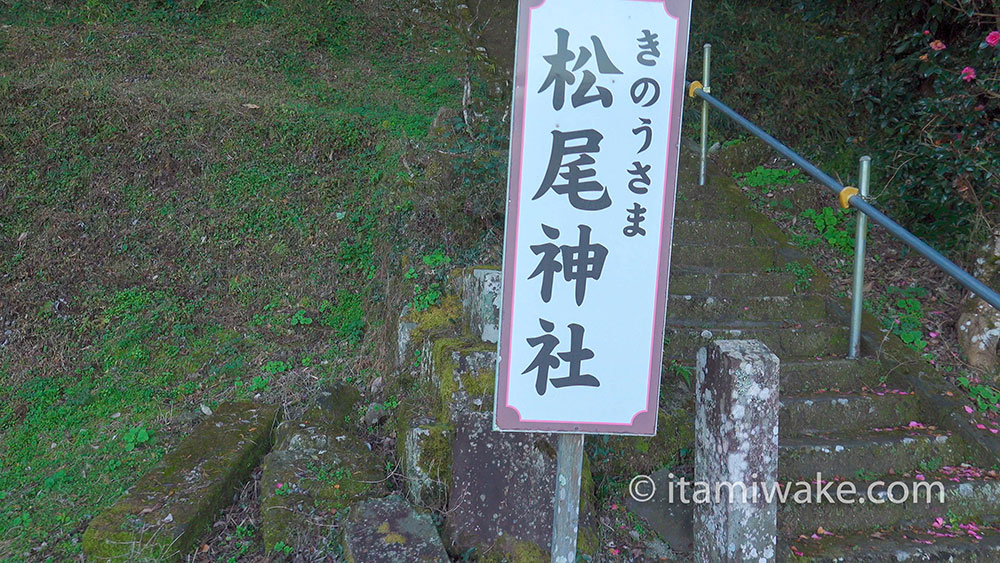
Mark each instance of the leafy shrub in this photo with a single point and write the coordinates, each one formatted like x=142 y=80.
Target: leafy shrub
x=932 y=104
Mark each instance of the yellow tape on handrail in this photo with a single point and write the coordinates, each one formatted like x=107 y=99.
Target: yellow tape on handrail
x=845 y=196
x=694 y=86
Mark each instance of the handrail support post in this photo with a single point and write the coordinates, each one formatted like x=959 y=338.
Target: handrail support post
x=707 y=88
x=857 y=298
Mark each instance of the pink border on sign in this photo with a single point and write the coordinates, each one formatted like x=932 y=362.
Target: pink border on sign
x=507 y=417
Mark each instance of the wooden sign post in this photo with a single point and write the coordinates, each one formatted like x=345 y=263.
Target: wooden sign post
x=598 y=90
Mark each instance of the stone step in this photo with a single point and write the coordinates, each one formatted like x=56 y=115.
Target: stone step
x=907 y=544
x=709 y=210
x=725 y=259
x=805 y=415
x=751 y=284
x=712 y=232
x=925 y=502
x=713 y=309
x=843 y=375
x=797 y=521
x=874 y=453
x=683 y=342
x=170 y=507
x=710 y=194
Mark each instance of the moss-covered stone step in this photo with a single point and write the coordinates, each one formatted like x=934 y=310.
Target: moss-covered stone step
x=871 y=545
x=721 y=209
x=714 y=309
x=844 y=375
x=970 y=500
x=871 y=453
x=682 y=343
x=172 y=505
x=749 y=284
x=463 y=375
x=318 y=464
x=725 y=259
x=389 y=529
x=424 y=447
x=712 y=232
x=846 y=413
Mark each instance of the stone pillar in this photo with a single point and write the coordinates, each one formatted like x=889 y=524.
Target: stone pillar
x=736 y=446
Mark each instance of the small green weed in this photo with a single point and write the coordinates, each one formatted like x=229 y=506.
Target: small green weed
x=931 y=465
x=436 y=259
x=767 y=179
x=280 y=547
x=345 y=315
x=300 y=318
x=256 y=385
x=424 y=299
x=985 y=397
x=833 y=226
x=274 y=368
x=684 y=372
x=135 y=437
x=804 y=273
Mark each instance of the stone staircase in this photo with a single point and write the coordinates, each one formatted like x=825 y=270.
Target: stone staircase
x=860 y=421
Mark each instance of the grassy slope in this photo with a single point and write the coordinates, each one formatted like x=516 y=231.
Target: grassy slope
x=159 y=233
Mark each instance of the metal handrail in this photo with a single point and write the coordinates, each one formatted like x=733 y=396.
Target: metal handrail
x=848 y=196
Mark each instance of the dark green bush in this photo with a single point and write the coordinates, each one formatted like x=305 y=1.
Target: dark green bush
x=932 y=103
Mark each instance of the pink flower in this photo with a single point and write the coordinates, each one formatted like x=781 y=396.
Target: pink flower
x=993 y=39
x=968 y=409
x=938 y=45
x=933 y=335
x=927 y=32
x=968 y=74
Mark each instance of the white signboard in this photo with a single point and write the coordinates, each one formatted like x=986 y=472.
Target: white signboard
x=598 y=91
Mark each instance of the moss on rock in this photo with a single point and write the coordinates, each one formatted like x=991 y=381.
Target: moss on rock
x=464 y=374
x=166 y=512
x=316 y=467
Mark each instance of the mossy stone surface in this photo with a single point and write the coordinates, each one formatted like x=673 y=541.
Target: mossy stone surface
x=170 y=507
x=464 y=376
x=427 y=462
x=389 y=529
x=316 y=468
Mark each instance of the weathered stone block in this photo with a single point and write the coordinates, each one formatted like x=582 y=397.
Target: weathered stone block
x=736 y=444
x=388 y=529
x=482 y=292
x=336 y=404
x=665 y=513
x=463 y=373
x=417 y=329
x=427 y=462
x=315 y=467
x=501 y=498
x=168 y=509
